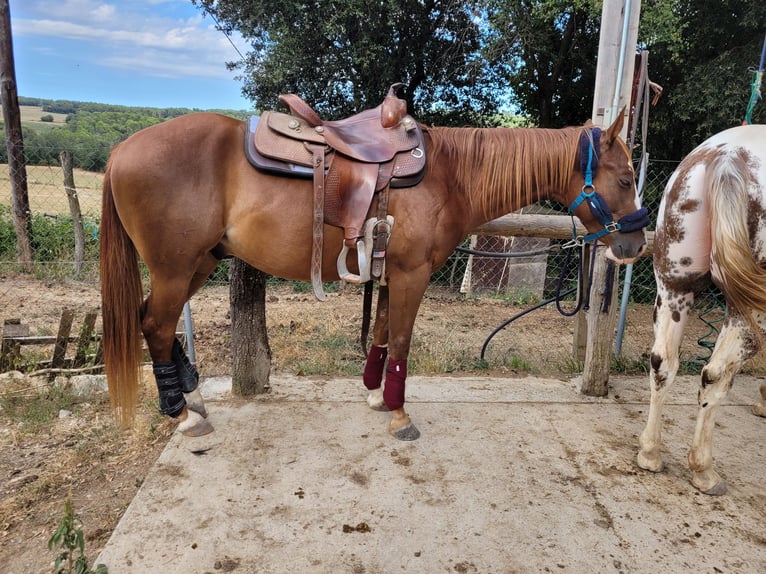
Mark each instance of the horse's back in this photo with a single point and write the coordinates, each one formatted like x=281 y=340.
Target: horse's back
x=170 y=181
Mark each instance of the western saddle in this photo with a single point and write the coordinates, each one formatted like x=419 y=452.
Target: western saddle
x=349 y=160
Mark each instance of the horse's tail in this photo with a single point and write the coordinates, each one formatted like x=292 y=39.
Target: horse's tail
x=742 y=277
x=121 y=300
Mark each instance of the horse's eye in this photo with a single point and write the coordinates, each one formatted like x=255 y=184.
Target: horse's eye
x=625 y=182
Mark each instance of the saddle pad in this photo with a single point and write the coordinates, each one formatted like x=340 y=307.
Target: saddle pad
x=270 y=164
x=272 y=140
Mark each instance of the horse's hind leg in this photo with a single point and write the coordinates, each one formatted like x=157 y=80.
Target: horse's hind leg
x=376 y=357
x=176 y=377
x=671 y=312
x=734 y=346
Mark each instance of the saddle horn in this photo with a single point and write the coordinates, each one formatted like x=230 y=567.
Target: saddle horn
x=393 y=109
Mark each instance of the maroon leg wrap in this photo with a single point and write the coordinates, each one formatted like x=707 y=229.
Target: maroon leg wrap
x=393 y=391
x=373 y=369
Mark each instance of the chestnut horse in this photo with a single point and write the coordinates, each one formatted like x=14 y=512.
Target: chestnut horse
x=711 y=227
x=181 y=194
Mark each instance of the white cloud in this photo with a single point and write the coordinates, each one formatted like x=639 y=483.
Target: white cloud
x=134 y=34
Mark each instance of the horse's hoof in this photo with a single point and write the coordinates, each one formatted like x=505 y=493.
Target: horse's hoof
x=718 y=489
x=194 y=425
x=647 y=464
x=195 y=402
x=375 y=400
x=759 y=409
x=409 y=432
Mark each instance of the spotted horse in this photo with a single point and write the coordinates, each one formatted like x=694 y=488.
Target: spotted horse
x=711 y=227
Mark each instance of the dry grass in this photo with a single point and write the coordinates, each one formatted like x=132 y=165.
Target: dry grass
x=32 y=115
x=46 y=190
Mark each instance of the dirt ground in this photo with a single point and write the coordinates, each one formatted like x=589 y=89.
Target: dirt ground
x=82 y=454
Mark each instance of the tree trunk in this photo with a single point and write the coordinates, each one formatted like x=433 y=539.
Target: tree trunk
x=249 y=340
x=22 y=220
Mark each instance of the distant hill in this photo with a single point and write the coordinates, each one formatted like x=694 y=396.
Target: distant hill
x=67 y=107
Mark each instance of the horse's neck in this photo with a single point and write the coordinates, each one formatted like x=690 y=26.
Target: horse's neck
x=510 y=174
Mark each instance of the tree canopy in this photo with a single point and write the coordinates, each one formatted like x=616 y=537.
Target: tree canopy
x=343 y=56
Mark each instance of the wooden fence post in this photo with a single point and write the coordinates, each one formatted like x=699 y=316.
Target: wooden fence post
x=74 y=210
x=14 y=140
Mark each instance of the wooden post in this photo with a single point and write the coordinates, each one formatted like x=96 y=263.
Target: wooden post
x=22 y=219
x=249 y=339
x=84 y=340
x=62 y=339
x=74 y=210
x=617 y=42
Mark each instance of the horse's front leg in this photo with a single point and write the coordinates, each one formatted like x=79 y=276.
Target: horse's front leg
x=734 y=346
x=671 y=312
x=404 y=297
x=376 y=357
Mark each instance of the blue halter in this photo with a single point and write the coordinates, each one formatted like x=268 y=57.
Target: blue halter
x=590 y=146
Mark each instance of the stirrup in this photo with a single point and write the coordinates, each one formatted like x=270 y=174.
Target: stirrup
x=364 y=254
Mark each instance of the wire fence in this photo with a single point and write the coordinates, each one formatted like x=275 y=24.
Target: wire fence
x=519 y=280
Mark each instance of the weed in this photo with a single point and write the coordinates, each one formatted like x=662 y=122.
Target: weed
x=69 y=540
x=629 y=366
x=35 y=410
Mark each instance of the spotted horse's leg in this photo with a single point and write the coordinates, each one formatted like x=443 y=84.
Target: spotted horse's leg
x=735 y=345
x=671 y=313
x=759 y=408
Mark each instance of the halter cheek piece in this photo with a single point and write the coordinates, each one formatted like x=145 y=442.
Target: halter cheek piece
x=590 y=142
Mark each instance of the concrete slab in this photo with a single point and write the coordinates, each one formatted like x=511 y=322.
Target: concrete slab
x=510 y=475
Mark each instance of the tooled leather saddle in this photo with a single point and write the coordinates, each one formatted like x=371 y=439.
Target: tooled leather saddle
x=349 y=160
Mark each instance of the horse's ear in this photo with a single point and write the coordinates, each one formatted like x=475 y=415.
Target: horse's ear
x=588 y=124
x=616 y=127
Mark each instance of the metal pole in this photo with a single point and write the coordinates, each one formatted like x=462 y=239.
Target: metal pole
x=189 y=328
x=629 y=266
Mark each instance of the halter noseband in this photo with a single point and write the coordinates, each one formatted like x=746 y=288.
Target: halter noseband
x=590 y=146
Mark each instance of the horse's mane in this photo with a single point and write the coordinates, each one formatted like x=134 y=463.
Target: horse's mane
x=507 y=167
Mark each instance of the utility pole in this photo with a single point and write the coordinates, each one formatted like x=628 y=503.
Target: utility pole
x=14 y=142
x=614 y=77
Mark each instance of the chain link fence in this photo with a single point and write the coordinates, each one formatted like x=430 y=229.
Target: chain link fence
x=518 y=280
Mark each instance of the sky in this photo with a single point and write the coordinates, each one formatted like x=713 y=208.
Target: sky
x=147 y=53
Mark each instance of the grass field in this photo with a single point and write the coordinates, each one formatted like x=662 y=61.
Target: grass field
x=32 y=115
x=46 y=190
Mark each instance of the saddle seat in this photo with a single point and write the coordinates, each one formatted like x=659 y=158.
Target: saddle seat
x=350 y=160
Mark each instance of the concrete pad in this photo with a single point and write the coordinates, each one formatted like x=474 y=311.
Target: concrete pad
x=510 y=475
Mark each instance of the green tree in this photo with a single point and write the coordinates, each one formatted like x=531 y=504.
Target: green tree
x=546 y=51
x=342 y=56
x=703 y=53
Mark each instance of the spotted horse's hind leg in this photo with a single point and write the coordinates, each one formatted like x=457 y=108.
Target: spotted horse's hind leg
x=734 y=346
x=671 y=313
x=759 y=408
